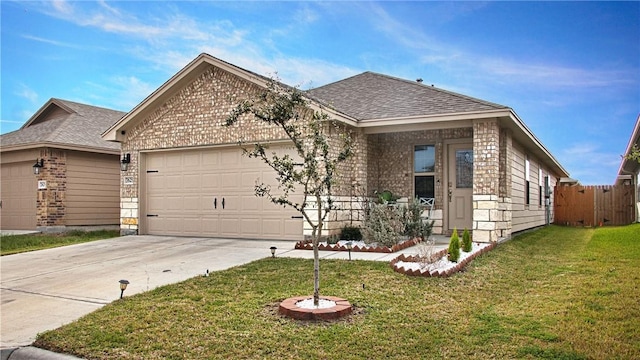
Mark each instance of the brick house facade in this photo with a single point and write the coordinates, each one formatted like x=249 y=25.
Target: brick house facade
x=391 y=122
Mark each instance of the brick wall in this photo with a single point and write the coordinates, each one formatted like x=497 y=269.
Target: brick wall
x=50 y=203
x=194 y=116
x=390 y=164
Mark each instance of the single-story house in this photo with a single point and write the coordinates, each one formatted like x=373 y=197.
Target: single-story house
x=78 y=180
x=485 y=169
x=629 y=171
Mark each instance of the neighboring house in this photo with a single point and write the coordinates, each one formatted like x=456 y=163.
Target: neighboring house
x=79 y=173
x=629 y=171
x=187 y=176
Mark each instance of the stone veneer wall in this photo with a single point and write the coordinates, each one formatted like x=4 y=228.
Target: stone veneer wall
x=194 y=116
x=50 y=203
x=491 y=174
x=390 y=163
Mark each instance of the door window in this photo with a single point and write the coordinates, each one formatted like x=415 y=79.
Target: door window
x=464 y=169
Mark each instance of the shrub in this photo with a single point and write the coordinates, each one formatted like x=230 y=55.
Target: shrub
x=333 y=239
x=352 y=233
x=454 y=247
x=412 y=219
x=427 y=253
x=414 y=225
x=386 y=197
x=466 y=241
x=383 y=225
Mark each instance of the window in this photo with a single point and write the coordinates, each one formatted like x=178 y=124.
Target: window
x=527 y=191
x=424 y=163
x=540 y=183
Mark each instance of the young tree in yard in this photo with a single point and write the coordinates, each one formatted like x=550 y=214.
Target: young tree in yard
x=313 y=172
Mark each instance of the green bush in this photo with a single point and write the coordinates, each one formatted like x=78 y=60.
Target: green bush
x=412 y=219
x=466 y=241
x=414 y=226
x=454 y=247
x=383 y=225
x=351 y=233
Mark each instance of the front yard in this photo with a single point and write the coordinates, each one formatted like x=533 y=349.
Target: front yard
x=14 y=244
x=555 y=293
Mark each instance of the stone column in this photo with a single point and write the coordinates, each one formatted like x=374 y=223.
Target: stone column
x=52 y=188
x=486 y=180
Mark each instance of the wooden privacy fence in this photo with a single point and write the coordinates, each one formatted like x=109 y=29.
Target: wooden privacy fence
x=594 y=205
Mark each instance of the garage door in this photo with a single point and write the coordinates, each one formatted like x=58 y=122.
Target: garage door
x=211 y=193
x=18 y=195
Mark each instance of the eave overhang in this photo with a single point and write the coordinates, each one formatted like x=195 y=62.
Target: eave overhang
x=628 y=166
x=506 y=117
x=46 y=144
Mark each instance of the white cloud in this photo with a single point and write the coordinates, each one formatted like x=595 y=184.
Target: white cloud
x=49 y=41
x=589 y=161
x=26 y=92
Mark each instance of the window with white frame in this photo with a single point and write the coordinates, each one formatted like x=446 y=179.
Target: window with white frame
x=424 y=167
x=527 y=190
x=541 y=187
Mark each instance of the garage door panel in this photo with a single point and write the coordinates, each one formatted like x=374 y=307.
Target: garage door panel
x=272 y=227
x=205 y=176
x=210 y=182
x=250 y=203
x=18 y=191
x=230 y=158
x=230 y=181
x=250 y=179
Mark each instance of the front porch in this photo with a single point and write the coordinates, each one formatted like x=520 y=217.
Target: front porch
x=466 y=170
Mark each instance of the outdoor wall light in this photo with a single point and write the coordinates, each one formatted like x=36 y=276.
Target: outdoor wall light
x=123 y=286
x=349 y=247
x=124 y=164
x=37 y=166
x=273 y=251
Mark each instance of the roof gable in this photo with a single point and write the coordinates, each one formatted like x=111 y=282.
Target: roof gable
x=369 y=96
x=65 y=124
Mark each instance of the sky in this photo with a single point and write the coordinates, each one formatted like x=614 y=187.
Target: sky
x=570 y=70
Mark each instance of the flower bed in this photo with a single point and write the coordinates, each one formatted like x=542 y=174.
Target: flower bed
x=358 y=246
x=412 y=266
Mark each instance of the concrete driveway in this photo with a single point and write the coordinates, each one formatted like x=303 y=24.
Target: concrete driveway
x=43 y=290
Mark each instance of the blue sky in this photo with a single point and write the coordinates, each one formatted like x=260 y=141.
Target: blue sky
x=570 y=70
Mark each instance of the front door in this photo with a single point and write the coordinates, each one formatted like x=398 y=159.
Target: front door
x=460 y=185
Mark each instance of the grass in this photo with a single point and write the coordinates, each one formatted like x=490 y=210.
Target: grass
x=13 y=244
x=555 y=293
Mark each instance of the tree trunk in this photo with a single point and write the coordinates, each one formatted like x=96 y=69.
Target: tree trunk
x=316 y=256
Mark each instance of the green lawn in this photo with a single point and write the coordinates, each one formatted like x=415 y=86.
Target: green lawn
x=13 y=244
x=555 y=293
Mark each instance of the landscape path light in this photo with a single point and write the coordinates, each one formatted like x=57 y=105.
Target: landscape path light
x=123 y=286
x=349 y=247
x=273 y=251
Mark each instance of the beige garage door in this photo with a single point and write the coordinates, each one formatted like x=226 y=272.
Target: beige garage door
x=18 y=195
x=211 y=193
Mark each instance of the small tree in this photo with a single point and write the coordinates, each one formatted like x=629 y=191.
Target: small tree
x=466 y=241
x=313 y=173
x=454 y=246
x=634 y=154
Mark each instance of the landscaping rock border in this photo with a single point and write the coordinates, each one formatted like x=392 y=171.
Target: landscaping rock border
x=308 y=245
x=289 y=308
x=437 y=273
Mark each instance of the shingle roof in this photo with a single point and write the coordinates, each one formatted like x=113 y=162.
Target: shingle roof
x=74 y=124
x=375 y=96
